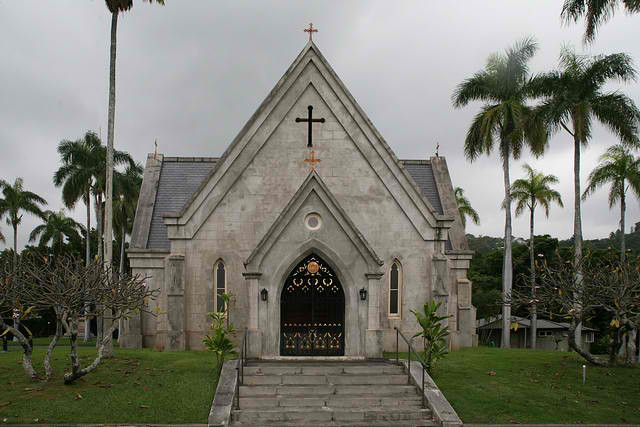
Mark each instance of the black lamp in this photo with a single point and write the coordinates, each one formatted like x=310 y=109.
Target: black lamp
x=363 y=294
x=264 y=294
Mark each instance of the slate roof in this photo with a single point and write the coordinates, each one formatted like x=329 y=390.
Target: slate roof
x=181 y=177
x=422 y=174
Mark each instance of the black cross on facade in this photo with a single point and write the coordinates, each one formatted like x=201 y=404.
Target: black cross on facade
x=310 y=120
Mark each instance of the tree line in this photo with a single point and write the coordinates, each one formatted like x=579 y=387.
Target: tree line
x=522 y=111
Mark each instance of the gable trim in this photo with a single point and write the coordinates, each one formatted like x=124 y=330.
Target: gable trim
x=313 y=183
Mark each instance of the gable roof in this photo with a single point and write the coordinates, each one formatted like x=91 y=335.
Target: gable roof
x=179 y=178
x=310 y=68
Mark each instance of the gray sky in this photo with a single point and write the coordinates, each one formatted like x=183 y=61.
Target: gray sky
x=192 y=72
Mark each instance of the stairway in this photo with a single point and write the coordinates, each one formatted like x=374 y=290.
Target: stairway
x=329 y=394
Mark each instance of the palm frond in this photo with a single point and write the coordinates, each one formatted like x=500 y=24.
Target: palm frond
x=619 y=113
x=464 y=208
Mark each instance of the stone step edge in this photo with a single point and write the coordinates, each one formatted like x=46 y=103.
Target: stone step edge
x=373 y=408
x=341 y=374
x=358 y=395
x=421 y=423
x=415 y=398
x=281 y=409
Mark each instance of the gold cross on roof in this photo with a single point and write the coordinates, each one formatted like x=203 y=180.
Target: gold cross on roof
x=313 y=160
x=310 y=30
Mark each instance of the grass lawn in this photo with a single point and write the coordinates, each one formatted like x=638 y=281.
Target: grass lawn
x=536 y=387
x=136 y=386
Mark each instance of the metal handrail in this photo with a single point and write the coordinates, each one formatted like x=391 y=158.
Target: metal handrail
x=242 y=361
x=409 y=353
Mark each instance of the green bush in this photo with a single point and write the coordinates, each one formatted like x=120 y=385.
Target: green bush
x=434 y=333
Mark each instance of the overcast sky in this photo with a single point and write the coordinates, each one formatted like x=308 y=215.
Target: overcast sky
x=191 y=73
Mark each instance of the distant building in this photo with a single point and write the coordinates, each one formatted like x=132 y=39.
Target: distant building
x=551 y=335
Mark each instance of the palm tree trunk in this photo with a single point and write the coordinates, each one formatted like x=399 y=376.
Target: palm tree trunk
x=88 y=248
x=123 y=234
x=534 y=310
x=15 y=245
x=507 y=273
x=623 y=208
x=98 y=208
x=87 y=322
x=108 y=228
x=577 y=230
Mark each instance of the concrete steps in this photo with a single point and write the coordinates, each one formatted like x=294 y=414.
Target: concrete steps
x=329 y=394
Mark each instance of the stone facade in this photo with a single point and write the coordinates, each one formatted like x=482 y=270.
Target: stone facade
x=247 y=210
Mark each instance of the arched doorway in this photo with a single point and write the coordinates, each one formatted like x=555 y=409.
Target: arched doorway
x=312 y=311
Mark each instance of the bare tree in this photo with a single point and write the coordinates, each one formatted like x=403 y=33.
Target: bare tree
x=119 y=296
x=14 y=304
x=607 y=284
x=65 y=284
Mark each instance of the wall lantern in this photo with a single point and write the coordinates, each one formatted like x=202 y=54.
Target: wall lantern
x=363 y=294
x=264 y=294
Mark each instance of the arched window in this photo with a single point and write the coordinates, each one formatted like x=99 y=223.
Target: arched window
x=220 y=284
x=395 y=290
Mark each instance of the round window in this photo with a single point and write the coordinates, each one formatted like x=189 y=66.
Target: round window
x=313 y=221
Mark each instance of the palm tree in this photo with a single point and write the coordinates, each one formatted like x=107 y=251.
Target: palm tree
x=528 y=193
x=597 y=12
x=83 y=174
x=127 y=189
x=56 y=227
x=504 y=87
x=465 y=209
x=115 y=8
x=76 y=175
x=574 y=98
x=621 y=169
x=16 y=201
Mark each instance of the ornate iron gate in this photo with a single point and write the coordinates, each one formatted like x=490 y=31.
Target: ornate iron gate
x=312 y=311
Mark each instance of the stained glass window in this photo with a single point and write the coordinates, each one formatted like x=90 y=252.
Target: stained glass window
x=220 y=280
x=395 y=289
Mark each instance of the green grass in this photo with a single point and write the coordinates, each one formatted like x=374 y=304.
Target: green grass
x=536 y=387
x=136 y=386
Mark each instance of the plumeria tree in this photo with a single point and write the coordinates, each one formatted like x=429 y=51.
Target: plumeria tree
x=607 y=284
x=64 y=284
x=16 y=304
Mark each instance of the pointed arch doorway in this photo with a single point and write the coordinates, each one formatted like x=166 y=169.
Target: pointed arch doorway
x=312 y=311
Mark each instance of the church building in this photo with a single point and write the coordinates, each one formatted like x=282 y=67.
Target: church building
x=324 y=238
